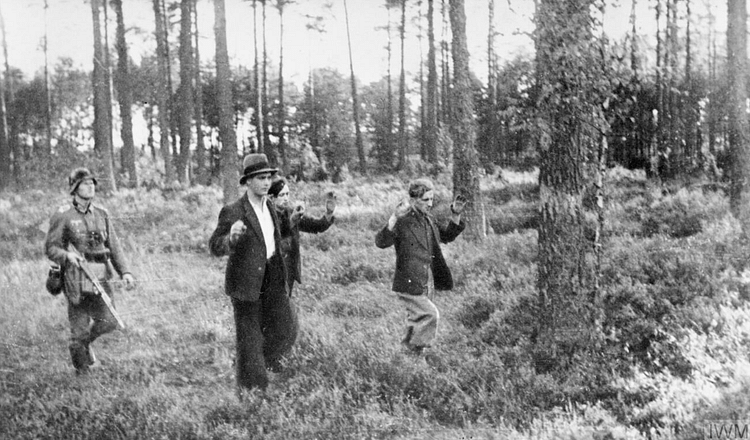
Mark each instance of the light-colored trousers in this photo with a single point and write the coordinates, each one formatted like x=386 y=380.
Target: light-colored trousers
x=421 y=321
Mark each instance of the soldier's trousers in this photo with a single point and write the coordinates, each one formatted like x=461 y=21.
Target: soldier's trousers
x=266 y=329
x=89 y=319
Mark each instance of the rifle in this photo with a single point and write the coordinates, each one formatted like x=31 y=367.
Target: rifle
x=98 y=286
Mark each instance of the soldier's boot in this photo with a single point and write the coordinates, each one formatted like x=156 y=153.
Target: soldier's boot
x=81 y=357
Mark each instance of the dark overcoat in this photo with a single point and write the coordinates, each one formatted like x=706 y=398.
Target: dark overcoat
x=415 y=254
x=247 y=256
x=290 y=239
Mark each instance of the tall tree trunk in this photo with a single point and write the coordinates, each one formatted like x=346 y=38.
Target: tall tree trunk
x=422 y=92
x=738 y=122
x=270 y=151
x=282 y=106
x=187 y=95
x=571 y=132
x=163 y=92
x=125 y=95
x=12 y=124
x=389 y=100
x=229 y=161
x=355 y=102
x=110 y=90
x=656 y=156
x=713 y=98
x=47 y=91
x=403 y=142
x=634 y=64
x=102 y=112
x=259 y=123
x=491 y=151
x=445 y=95
x=431 y=121
x=201 y=174
x=691 y=121
x=676 y=159
x=5 y=148
x=463 y=128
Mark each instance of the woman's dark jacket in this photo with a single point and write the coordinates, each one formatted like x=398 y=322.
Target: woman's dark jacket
x=290 y=239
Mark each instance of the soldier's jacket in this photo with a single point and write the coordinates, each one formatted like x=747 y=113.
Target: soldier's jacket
x=90 y=232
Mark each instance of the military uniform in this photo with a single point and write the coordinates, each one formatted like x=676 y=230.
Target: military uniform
x=90 y=231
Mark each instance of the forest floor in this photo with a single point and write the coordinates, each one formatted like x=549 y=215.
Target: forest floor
x=170 y=373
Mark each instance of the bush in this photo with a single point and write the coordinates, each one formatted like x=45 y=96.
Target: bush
x=682 y=215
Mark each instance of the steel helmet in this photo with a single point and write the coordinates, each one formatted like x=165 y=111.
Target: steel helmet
x=77 y=176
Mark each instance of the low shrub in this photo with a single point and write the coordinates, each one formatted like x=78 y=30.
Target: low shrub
x=683 y=214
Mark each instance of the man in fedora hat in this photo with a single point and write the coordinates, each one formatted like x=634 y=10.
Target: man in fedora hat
x=250 y=234
x=88 y=228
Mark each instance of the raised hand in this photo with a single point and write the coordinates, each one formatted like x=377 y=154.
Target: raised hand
x=330 y=203
x=402 y=208
x=238 y=228
x=297 y=212
x=458 y=205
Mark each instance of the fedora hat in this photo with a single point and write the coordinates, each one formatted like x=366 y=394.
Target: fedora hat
x=253 y=164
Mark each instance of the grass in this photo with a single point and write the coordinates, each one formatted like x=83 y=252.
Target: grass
x=170 y=373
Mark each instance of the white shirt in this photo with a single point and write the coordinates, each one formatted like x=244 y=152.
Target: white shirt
x=266 y=224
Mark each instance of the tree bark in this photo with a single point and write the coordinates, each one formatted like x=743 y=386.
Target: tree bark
x=125 y=97
x=186 y=95
x=259 y=123
x=431 y=121
x=201 y=174
x=102 y=112
x=163 y=92
x=355 y=102
x=282 y=106
x=403 y=142
x=569 y=113
x=463 y=128
x=229 y=161
x=738 y=122
x=6 y=157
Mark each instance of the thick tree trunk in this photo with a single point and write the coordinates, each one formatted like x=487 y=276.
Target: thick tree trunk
x=570 y=121
x=102 y=112
x=738 y=122
x=125 y=97
x=227 y=135
x=186 y=95
x=163 y=92
x=463 y=128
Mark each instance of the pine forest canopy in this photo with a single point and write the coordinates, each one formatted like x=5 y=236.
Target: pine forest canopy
x=665 y=105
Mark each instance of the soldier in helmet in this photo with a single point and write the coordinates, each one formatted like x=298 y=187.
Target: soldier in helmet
x=88 y=228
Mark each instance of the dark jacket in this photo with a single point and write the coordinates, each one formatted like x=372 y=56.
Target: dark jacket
x=247 y=256
x=290 y=239
x=415 y=254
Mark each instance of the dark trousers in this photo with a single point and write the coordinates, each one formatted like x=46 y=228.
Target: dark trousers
x=266 y=329
x=89 y=319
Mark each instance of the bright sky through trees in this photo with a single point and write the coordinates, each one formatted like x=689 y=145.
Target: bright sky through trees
x=70 y=34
